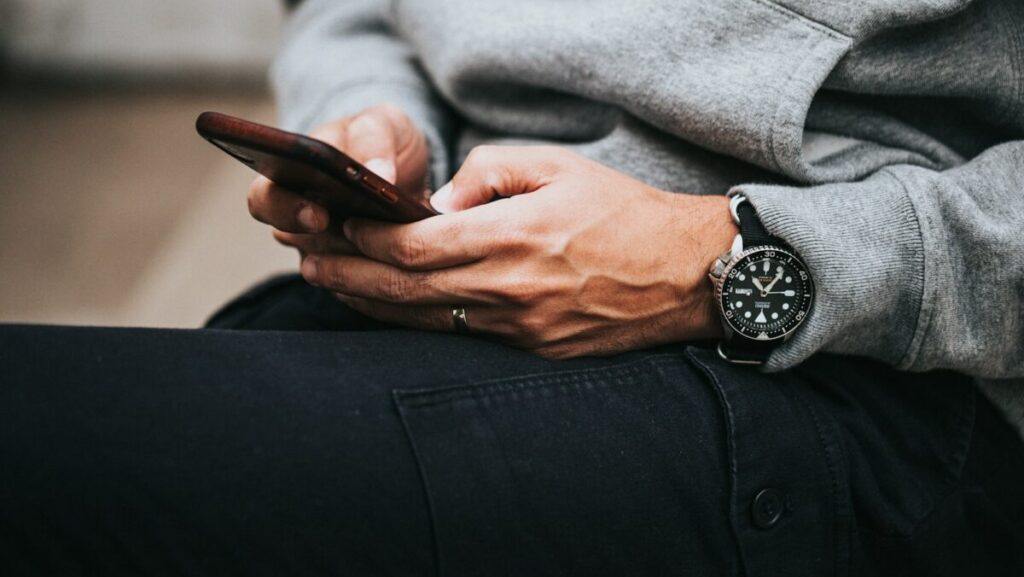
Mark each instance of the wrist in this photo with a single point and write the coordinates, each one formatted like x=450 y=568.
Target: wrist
x=708 y=228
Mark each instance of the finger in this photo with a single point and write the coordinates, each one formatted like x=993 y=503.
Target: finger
x=362 y=277
x=495 y=171
x=370 y=139
x=329 y=242
x=430 y=318
x=434 y=243
x=284 y=209
x=440 y=318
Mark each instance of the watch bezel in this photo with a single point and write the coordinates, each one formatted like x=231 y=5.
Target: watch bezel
x=724 y=276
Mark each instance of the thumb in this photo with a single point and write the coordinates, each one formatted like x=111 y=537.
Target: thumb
x=491 y=172
x=369 y=138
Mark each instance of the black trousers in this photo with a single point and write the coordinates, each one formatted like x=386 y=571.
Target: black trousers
x=289 y=448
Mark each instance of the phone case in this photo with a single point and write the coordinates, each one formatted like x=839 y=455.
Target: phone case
x=313 y=169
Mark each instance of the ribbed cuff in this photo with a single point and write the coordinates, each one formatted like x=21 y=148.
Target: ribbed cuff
x=863 y=246
x=415 y=101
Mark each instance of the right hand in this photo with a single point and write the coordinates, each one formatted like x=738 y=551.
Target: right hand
x=381 y=137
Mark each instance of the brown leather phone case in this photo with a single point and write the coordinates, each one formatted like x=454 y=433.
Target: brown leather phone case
x=313 y=169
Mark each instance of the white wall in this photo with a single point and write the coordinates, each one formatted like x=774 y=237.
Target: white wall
x=142 y=36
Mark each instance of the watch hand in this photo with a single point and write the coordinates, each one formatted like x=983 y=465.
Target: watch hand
x=772 y=284
x=757 y=283
x=788 y=293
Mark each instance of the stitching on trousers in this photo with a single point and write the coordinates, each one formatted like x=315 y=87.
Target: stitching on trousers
x=621 y=374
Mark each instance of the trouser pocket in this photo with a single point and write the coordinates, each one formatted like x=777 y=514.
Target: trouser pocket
x=618 y=470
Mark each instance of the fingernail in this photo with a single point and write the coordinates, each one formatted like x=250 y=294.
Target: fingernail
x=346 y=229
x=307 y=218
x=383 y=168
x=442 y=199
x=308 y=269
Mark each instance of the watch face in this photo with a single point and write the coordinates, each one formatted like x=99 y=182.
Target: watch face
x=766 y=293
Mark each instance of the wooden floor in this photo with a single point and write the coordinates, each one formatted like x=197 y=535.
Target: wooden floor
x=113 y=211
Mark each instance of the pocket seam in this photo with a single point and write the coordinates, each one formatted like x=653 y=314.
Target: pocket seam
x=505 y=386
x=798 y=17
x=956 y=484
x=790 y=111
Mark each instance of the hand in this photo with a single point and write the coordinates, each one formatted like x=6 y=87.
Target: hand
x=381 y=137
x=579 y=260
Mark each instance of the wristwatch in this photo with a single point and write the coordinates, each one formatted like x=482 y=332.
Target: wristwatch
x=763 y=290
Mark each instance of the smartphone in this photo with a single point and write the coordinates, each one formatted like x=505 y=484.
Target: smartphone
x=313 y=169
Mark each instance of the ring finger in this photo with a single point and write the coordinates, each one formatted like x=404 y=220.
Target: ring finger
x=480 y=320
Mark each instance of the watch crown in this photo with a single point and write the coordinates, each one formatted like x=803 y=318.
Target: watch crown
x=718 y=268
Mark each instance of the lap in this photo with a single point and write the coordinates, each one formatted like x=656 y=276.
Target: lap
x=388 y=451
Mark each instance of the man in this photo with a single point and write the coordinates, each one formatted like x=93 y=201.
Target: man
x=851 y=177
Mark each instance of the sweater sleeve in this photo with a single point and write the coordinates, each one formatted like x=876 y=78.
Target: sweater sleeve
x=338 y=58
x=919 y=268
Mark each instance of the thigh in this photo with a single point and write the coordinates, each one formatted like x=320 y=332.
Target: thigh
x=268 y=452
x=397 y=452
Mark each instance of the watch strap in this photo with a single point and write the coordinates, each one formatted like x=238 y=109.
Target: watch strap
x=744 y=351
x=753 y=232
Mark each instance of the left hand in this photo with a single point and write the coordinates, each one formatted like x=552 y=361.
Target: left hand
x=578 y=259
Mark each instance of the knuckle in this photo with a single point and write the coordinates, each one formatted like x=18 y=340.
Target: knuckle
x=366 y=122
x=520 y=291
x=494 y=182
x=410 y=251
x=331 y=274
x=394 y=287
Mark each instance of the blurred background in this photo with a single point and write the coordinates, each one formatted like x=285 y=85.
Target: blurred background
x=112 y=210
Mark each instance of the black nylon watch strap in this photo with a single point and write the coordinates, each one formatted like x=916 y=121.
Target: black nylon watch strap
x=753 y=232
x=743 y=350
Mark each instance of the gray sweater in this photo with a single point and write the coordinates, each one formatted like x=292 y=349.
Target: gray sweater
x=883 y=139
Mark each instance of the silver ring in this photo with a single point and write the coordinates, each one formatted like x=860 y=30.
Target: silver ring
x=459 y=316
